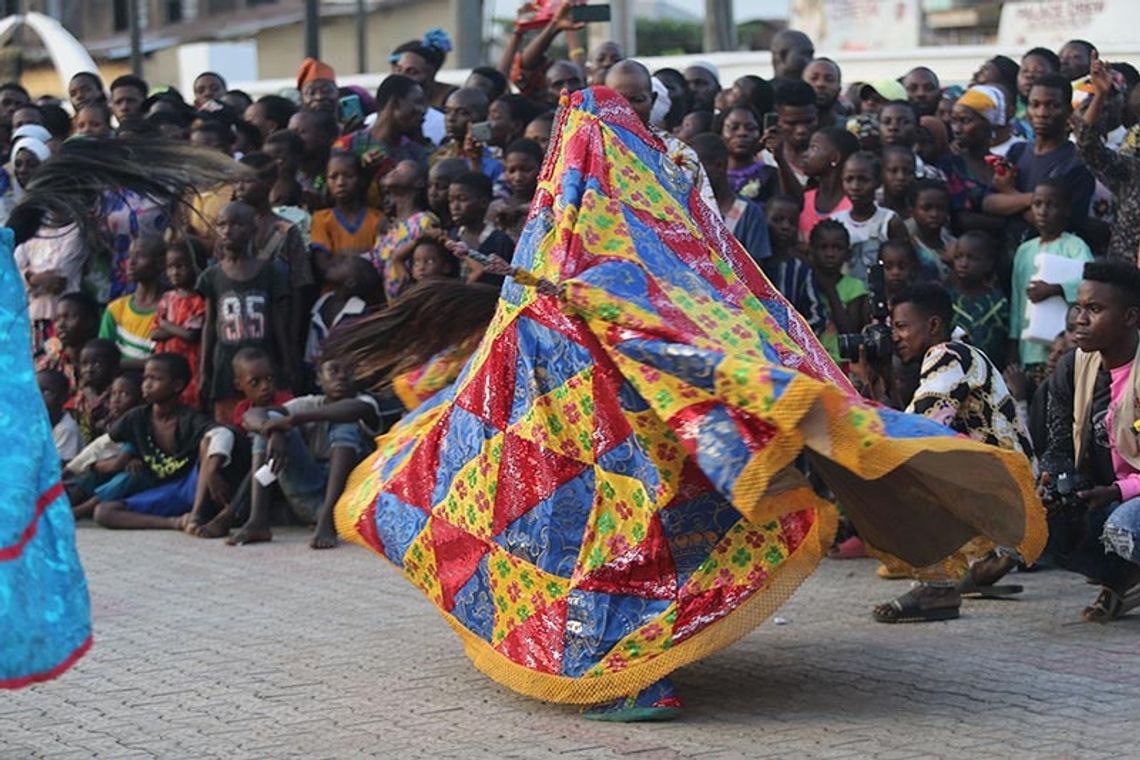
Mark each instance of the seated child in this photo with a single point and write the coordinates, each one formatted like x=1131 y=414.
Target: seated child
x=130 y=319
x=929 y=231
x=99 y=473
x=98 y=365
x=186 y=459
x=356 y=287
x=181 y=315
x=900 y=265
x=256 y=380
x=64 y=431
x=868 y=224
x=76 y=322
x=980 y=308
x=845 y=298
x=311 y=444
x=1050 y=211
x=792 y=275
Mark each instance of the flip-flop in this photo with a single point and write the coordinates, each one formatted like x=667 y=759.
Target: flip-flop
x=1110 y=605
x=906 y=609
x=969 y=589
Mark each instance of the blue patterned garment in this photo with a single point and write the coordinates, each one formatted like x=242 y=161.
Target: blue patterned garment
x=45 y=617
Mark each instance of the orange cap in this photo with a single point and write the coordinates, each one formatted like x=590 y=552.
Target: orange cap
x=312 y=69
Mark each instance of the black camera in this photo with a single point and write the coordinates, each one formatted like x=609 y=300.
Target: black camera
x=1060 y=495
x=875 y=338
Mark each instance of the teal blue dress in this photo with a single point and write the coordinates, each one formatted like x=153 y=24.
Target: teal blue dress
x=45 y=615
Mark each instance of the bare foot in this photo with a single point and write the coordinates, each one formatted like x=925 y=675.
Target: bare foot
x=184 y=522
x=219 y=527
x=250 y=534
x=323 y=538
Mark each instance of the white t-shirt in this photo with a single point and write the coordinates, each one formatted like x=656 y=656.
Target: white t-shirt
x=65 y=436
x=866 y=238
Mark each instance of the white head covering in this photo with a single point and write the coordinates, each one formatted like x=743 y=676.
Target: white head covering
x=661 y=104
x=32 y=130
x=707 y=66
x=988 y=101
x=37 y=148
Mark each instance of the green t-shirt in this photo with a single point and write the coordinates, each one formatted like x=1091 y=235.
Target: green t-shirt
x=1024 y=267
x=848 y=289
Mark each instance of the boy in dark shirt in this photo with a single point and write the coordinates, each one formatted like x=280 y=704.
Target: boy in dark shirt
x=468 y=198
x=179 y=450
x=245 y=306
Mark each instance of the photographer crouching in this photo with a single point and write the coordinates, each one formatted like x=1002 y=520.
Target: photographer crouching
x=1091 y=468
x=961 y=388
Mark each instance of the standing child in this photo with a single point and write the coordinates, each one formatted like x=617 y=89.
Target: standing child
x=980 y=308
x=929 y=230
x=823 y=163
x=76 y=322
x=898 y=179
x=64 y=430
x=439 y=180
x=900 y=266
x=349 y=228
x=278 y=240
x=868 y=223
x=468 y=199
x=181 y=314
x=1050 y=211
x=522 y=162
x=52 y=265
x=130 y=319
x=791 y=274
x=185 y=466
x=427 y=259
x=845 y=298
x=311 y=443
x=246 y=301
x=406 y=205
x=98 y=364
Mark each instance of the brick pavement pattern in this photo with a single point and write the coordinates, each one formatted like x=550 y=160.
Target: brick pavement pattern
x=270 y=651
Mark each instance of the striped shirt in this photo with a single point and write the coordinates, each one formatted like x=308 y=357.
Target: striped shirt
x=129 y=327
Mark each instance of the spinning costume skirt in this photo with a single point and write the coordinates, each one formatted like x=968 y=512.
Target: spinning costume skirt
x=607 y=490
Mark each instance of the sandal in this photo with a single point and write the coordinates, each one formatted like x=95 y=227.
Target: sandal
x=891 y=572
x=908 y=609
x=994 y=567
x=1110 y=605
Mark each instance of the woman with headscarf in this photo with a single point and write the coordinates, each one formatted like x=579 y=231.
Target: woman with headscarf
x=968 y=173
x=420 y=61
x=52 y=262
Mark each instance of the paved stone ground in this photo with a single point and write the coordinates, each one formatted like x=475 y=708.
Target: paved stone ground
x=204 y=650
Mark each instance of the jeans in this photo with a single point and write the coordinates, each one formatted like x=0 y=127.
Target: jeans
x=304 y=479
x=1087 y=542
x=1122 y=531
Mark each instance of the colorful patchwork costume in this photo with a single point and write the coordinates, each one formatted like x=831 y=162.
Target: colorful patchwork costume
x=45 y=621
x=607 y=490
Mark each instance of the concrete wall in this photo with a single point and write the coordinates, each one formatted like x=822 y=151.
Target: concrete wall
x=281 y=50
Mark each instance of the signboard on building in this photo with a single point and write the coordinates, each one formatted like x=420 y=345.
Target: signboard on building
x=1051 y=23
x=858 y=24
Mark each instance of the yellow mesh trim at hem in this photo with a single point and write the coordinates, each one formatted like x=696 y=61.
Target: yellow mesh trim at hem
x=593 y=690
